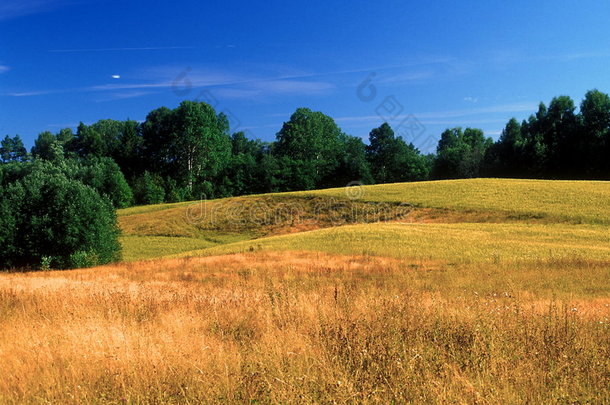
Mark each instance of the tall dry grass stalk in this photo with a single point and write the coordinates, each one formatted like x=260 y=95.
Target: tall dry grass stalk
x=306 y=328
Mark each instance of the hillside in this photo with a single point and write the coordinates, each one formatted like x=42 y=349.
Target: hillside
x=552 y=200
x=463 y=243
x=148 y=230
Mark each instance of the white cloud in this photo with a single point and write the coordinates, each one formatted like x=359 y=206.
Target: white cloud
x=471 y=99
x=504 y=108
x=33 y=93
x=4 y=69
x=188 y=81
x=17 y=8
x=148 y=48
x=493 y=132
x=125 y=95
x=447 y=115
x=237 y=93
x=293 y=86
x=250 y=90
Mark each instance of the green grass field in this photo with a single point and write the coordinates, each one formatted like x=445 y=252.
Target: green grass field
x=463 y=243
x=143 y=247
x=575 y=201
x=561 y=201
x=486 y=219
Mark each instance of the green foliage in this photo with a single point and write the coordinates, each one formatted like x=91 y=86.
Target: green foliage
x=295 y=174
x=595 y=112
x=52 y=147
x=312 y=141
x=353 y=165
x=12 y=149
x=43 y=146
x=190 y=143
x=505 y=157
x=54 y=221
x=8 y=225
x=105 y=176
x=460 y=154
x=173 y=192
x=187 y=153
x=46 y=262
x=99 y=139
x=392 y=160
x=556 y=142
x=244 y=173
x=119 y=140
x=148 y=189
x=102 y=174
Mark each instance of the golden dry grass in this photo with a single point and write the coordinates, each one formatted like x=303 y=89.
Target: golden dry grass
x=491 y=291
x=303 y=327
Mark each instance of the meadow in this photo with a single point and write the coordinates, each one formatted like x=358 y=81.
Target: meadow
x=477 y=291
x=556 y=201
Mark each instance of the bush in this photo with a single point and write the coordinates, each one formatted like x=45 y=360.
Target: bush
x=7 y=226
x=105 y=176
x=55 y=222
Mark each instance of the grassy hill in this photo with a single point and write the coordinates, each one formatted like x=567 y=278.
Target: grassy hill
x=464 y=243
x=556 y=201
x=209 y=224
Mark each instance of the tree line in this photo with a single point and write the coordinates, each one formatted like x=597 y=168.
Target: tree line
x=57 y=200
x=188 y=152
x=557 y=142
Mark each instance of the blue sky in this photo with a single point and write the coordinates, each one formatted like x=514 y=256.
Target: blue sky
x=432 y=65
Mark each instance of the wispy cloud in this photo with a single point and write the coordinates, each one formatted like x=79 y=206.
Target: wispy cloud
x=447 y=116
x=172 y=77
x=4 y=69
x=225 y=84
x=375 y=121
x=239 y=85
x=508 y=57
x=493 y=132
x=237 y=93
x=407 y=77
x=275 y=87
x=585 y=55
x=503 y=108
x=188 y=82
x=17 y=8
x=68 y=125
x=124 y=95
x=36 y=93
x=149 y=48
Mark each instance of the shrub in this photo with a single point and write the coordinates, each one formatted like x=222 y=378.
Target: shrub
x=56 y=222
x=105 y=176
